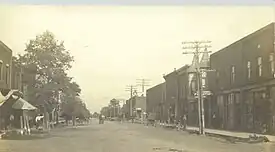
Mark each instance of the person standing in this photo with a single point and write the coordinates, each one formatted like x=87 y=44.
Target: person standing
x=184 y=119
x=214 y=118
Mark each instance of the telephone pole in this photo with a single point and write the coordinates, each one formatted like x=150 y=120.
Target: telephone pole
x=143 y=83
x=131 y=89
x=195 y=47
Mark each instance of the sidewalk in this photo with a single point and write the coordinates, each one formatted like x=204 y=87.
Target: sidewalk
x=231 y=133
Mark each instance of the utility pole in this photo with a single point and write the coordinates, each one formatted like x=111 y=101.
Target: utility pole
x=131 y=89
x=143 y=83
x=195 y=46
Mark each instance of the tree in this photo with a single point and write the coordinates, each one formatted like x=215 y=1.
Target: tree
x=46 y=62
x=114 y=107
x=114 y=102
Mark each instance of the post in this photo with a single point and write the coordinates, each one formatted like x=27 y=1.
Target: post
x=131 y=106
x=21 y=124
x=196 y=46
x=130 y=89
x=199 y=93
x=114 y=107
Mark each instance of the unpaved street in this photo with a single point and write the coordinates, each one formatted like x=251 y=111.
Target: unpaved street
x=126 y=137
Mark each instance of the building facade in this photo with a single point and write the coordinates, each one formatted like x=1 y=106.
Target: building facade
x=171 y=100
x=155 y=100
x=243 y=84
x=5 y=66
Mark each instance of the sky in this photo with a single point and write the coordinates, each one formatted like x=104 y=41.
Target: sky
x=115 y=45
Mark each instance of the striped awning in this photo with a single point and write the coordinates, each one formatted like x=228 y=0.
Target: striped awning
x=3 y=99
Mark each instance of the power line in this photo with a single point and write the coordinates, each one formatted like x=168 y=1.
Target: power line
x=143 y=83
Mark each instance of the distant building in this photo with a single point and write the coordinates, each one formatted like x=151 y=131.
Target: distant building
x=139 y=102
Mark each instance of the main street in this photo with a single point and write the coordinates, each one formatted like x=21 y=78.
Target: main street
x=126 y=137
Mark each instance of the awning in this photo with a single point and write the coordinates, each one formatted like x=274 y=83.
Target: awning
x=3 y=99
x=23 y=105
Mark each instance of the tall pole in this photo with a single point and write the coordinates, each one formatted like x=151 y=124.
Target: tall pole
x=143 y=83
x=131 y=90
x=196 y=46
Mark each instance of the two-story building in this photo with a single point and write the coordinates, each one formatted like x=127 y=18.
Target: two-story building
x=171 y=87
x=243 y=84
x=5 y=67
x=176 y=90
x=155 y=100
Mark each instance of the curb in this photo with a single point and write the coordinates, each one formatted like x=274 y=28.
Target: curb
x=234 y=139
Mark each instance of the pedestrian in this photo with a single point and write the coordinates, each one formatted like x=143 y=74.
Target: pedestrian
x=184 y=122
x=214 y=118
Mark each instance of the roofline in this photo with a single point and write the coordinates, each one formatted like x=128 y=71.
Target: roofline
x=5 y=46
x=155 y=86
x=177 y=71
x=244 y=38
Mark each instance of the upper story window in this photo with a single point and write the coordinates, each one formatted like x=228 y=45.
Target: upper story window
x=203 y=77
x=203 y=83
x=217 y=76
x=260 y=66
x=271 y=62
x=7 y=73
x=249 y=69
x=231 y=98
x=203 y=74
x=193 y=87
x=233 y=74
x=1 y=69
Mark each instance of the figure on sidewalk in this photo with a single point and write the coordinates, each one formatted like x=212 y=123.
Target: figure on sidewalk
x=184 y=121
x=214 y=118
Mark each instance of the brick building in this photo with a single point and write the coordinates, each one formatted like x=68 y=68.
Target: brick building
x=171 y=87
x=5 y=66
x=155 y=100
x=176 y=89
x=243 y=84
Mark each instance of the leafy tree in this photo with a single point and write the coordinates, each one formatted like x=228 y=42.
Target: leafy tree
x=114 y=103
x=45 y=63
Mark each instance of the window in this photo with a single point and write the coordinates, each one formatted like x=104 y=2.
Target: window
x=1 y=69
x=193 y=87
x=248 y=69
x=217 y=77
x=231 y=98
x=233 y=74
x=271 y=62
x=203 y=83
x=7 y=74
x=260 y=66
x=203 y=75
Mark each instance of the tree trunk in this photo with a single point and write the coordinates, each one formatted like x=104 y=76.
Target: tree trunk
x=57 y=117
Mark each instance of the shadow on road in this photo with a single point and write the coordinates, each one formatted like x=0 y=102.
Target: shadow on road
x=27 y=137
